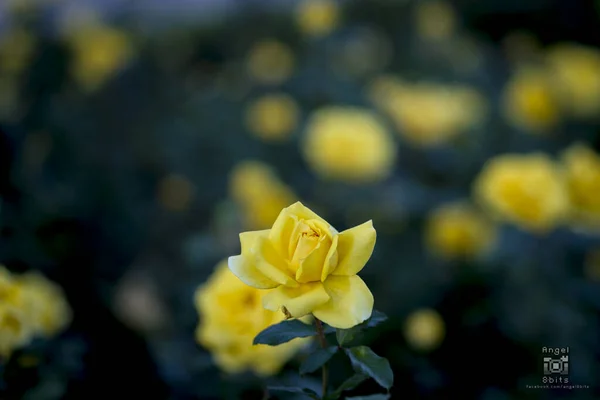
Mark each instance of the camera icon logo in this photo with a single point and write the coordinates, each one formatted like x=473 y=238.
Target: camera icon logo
x=556 y=365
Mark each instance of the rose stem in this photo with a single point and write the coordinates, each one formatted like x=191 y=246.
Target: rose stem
x=321 y=334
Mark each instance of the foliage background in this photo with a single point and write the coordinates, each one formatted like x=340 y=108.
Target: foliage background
x=80 y=187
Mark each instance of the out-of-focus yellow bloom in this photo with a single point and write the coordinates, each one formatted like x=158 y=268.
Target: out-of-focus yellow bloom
x=270 y=62
x=14 y=330
x=99 y=53
x=175 y=192
x=530 y=102
x=47 y=308
x=435 y=19
x=272 y=118
x=458 y=230
x=311 y=267
x=30 y=305
x=16 y=49
x=424 y=329
x=528 y=190
x=255 y=187
x=349 y=144
x=231 y=315
x=582 y=166
x=576 y=72
x=428 y=114
x=317 y=17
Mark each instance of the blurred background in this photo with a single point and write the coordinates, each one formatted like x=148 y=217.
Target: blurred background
x=139 y=138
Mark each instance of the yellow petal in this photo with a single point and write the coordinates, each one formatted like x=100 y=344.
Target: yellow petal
x=280 y=234
x=244 y=268
x=311 y=268
x=351 y=302
x=355 y=247
x=331 y=260
x=298 y=301
x=270 y=263
x=248 y=239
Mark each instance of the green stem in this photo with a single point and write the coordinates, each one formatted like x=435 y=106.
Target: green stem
x=321 y=335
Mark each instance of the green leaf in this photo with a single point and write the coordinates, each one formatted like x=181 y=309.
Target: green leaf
x=348 y=384
x=315 y=360
x=370 y=397
x=345 y=336
x=366 y=361
x=284 y=332
x=377 y=317
x=291 y=389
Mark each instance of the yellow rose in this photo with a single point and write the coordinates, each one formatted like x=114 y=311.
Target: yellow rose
x=273 y=117
x=575 y=70
x=47 y=310
x=317 y=17
x=458 y=229
x=310 y=267
x=14 y=330
x=424 y=329
x=231 y=315
x=349 y=144
x=529 y=101
x=428 y=114
x=582 y=166
x=99 y=53
x=527 y=190
x=270 y=62
x=261 y=195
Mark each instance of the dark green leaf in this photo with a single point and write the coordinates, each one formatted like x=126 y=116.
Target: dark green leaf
x=291 y=389
x=348 y=384
x=377 y=317
x=345 y=336
x=284 y=332
x=366 y=361
x=370 y=397
x=316 y=359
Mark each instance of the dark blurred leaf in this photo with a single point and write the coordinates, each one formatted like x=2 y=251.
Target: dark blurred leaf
x=346 y=336
x=366 y=361
x=377 y=317
x=284 y=332
x=316 y=359
x=289 y=389
x=370 y=397
x=348 y=384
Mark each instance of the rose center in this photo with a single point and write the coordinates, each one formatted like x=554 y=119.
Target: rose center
x=305 y=239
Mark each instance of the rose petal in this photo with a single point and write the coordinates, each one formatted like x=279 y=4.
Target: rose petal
x=270 y=263
x=248 y=239
x=245 y=269
x=298 y=301
x=355 y=247
x=351 y=302
x=310 y=269
x=331 y=261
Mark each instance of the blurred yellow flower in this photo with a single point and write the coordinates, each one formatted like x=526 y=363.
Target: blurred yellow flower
x=175 y=193
x=458 y=230
x=428 y=114
x=14 y=330
x=582 y=167
x=255 y=187
x=317 y=17
x=47 y=309
x=99 y=52
x=231 y=315
x=273 y=117
x=528 y=190
x=424 y=329
x=348 y=144
x=270 y=62
x=311 y=267
x=576 y=71
x=435 y=19
x=16 y=50
x=530 y=102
